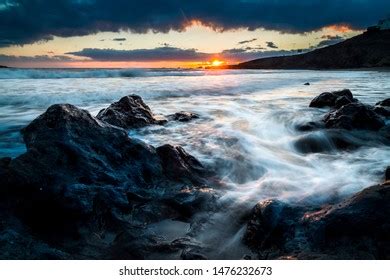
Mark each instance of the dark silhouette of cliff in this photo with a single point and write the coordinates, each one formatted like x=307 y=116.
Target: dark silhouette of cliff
x=370 y=49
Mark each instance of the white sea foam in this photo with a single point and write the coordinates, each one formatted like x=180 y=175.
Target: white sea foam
x=19 y=73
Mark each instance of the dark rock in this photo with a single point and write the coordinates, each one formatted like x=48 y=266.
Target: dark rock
x=358 y=227
x=192 y=255
x=354 y=116
x=385 y=131
x=190 y=201
x=306 y=84
x=4 y=162
x=81 y=179
x=246 y=257
x=178 y=164
x=185 y=248
x=382 y=110
x=354 y=228
x=129 y=112
x=132 y=244
x=183 y=116
x=325 y=99
x=341 y=101
x=66 y=145
x=384 y=103
x=16 y=242
x=271 y=223
x=309 y=126
x=337 y=139
x=313 y=143
x=328 y=99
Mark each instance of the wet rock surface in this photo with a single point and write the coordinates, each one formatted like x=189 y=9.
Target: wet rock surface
x=178 y=164
x=309 y=126
x=330 y=99
x=84 y=189
x=271 y=224
x=348 y=125
x=129 y=112
x=347 y=112
x=327 y=141
x=354 y=116
x=183 y=116
x=356 y=228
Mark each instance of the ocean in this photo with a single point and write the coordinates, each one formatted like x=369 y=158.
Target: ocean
x=246 y=130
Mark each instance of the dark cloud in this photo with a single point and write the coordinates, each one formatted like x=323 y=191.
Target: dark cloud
x=272 y=45
x=245 y=54
x=156 y=54
x=247 y=41
x=119 y=39
x=37 y=58
x=178 y=54
x=26 y=21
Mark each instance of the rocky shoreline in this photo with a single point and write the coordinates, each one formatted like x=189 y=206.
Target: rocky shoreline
x=84 y=189
x=354 y=228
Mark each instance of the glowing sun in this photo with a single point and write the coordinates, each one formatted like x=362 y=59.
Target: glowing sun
x=217 y=62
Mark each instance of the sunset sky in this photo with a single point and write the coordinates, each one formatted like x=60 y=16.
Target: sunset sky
x=173 y=33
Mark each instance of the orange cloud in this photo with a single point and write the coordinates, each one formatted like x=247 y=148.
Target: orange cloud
x=339 y=28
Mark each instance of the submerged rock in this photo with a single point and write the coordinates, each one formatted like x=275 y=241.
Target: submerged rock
x=325 y=141
x=331 y=140
x=354 y=116
x=309 y=126
x=330 y=99
x=129 y=112
x=183 y=116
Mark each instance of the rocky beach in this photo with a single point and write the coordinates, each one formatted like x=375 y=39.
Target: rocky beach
x=192 y=175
